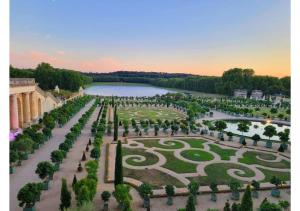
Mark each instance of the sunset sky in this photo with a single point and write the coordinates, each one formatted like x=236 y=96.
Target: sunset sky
x=204 y=37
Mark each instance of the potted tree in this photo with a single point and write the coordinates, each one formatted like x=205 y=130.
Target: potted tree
x=275 y=181
x=230 y=135
x=243 y=128
x=284 y=138
x=214 y=189
x=105 y=195
x=270 y=131
x=57 y=157
x=235 y=187
x=256 y=186
x=170 y=193
x=45 y=170
x=255 y=139
x=220 y=127
x=145 y=191
x=13 y=157
x=28 y=195
x=156 y=129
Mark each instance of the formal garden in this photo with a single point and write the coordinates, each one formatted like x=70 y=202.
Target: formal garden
x=151 y=113
x=178 y=161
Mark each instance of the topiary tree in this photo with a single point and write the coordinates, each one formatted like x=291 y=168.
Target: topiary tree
x=28 y=195
x=193 y=188
x=145 y=191
x=284 y=138
x=118 y=165
x=74 y=180
x=230 y=135
x=214 y=189
x=57 y=157
x=275 y=181
x=45 y=170
x=105 y=195
x=79 y=168
x=190 y=205
x=83 y=158
x=256 y=186
x=220 y=127
x=156 y=129
x=247 y=203
x=243 y=128
x=269 y=131
x=170 y=193
x=65 y=196
x=255 y=139
x=235 y=186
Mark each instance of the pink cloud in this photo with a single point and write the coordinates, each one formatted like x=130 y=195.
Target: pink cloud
x=32 y=58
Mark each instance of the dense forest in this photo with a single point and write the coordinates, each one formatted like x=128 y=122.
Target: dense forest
x=48 y=77
x=236 y=78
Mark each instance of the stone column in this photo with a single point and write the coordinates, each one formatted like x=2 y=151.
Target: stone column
x=33 y=106
x=27 y=108
x=14 y=116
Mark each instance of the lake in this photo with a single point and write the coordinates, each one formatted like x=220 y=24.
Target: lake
x=125 y=90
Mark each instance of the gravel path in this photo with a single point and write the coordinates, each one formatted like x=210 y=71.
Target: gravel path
x=26 y=172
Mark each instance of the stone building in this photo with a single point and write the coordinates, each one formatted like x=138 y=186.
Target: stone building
x=28 y=102
x=257 y=95
x=241 y=93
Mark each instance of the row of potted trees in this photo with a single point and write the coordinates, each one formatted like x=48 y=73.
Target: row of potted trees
x=30 y=193
x=33 y=137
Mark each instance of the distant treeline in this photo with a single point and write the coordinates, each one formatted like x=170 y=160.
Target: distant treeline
x=236 y=78
x=48 y=77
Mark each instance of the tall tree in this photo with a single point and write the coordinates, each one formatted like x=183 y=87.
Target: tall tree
x=65 y=196
x=118 y=165
x=116 y=125
x=247 y=204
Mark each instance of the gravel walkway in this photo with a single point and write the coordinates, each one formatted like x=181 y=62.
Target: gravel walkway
x=26 y=172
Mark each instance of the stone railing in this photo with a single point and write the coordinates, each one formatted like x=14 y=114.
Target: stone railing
x=22 y=81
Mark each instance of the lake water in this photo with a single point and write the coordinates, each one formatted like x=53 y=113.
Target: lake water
x=232 y=127
x=126 y=90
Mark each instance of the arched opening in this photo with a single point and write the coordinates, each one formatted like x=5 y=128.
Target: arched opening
x=39 y=107
x=20 y=112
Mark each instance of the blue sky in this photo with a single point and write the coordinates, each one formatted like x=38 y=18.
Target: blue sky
x=202 y=37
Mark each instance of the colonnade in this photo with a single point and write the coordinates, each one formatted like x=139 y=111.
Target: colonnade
x=24 y=108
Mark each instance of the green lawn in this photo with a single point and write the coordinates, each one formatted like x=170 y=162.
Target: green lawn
x=249 y=157
x=284 y=176
x=193 y=142
x=218 y=173
x=150 y=158
x=197 y=155
x=172 y=144
x=224 y=153
x=154 y=113
x=177 y=165
x=154 y=177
